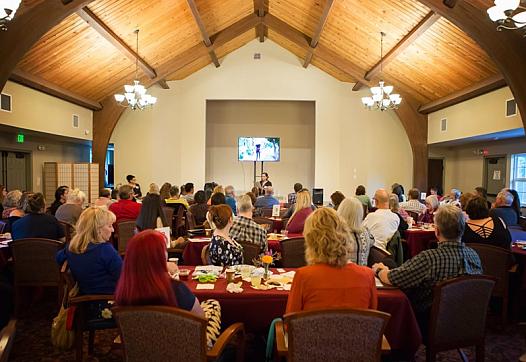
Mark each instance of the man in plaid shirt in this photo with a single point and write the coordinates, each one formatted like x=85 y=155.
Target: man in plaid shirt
x=451 y=259
x=291 y=199
x=244 y=229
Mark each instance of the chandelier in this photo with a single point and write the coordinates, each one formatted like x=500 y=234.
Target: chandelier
x=505 y=14
x=8 y=9
x=382 y=97
x=135 y=96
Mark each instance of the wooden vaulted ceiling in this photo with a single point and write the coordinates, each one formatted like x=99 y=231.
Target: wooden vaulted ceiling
x=431 y=58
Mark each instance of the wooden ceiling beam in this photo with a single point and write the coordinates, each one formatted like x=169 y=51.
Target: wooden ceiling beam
x=100 y=27
x=403 y=44
x=163 y=84
x=202 y=30
x=474 y=90
x=317 y=33
x=261 y=9
x=52 y=89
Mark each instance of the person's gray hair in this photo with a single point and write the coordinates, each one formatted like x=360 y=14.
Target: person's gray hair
x=269 y=190
x=506 y=197
x=244 y=204
x=76 y=196
x=450 y=221
x=351 y=210
x=456 y=192
x=229 y=190
x=12 y=198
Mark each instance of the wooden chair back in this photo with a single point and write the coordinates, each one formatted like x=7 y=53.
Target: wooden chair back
x=348 y=335
x=168 y=214
x=264 y=222
x=266 y=211
x=190 y=221
x=205 y=255
x=125 y=231
x=454 y=322
x=250 y=252
x=35 y=263
x=7 y=338
x=69 y=230
x=413 y=214
x=293 y=252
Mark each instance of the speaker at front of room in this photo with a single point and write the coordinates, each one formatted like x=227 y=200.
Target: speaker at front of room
x=317 y=196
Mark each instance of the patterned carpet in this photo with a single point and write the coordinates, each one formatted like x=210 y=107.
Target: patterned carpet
x=32 y=342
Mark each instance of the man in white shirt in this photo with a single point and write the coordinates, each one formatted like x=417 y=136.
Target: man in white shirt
x=413 y=204
x=382 y=223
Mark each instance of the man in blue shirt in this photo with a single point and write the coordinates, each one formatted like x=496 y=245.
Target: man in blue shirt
x=268 y=200
x=230 y=198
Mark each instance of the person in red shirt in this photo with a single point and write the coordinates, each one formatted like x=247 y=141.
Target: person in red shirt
x=330 y=280
x=125 y=208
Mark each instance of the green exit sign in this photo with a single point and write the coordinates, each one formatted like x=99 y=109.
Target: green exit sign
x=20 y=138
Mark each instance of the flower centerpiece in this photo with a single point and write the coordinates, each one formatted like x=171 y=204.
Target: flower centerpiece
x=266 y=260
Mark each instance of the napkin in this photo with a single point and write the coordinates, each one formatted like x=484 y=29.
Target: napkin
x=289 y=274
x=234 y=288
x=204 y=286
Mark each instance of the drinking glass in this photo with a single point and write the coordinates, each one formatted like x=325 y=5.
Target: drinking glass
x=255 y=280
x=245 y=271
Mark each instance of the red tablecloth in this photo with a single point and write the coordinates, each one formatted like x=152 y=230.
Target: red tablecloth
x=192 y=251
x=419 y=240
x=257 y=308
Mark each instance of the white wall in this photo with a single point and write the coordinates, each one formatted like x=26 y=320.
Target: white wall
x=38 y=111
x=353 y=146
x=478 y=116
x=291 y=121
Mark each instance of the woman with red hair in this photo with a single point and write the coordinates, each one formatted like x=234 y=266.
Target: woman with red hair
x=145 y=279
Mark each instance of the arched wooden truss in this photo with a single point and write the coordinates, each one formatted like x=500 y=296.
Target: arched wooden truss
x=506 y=49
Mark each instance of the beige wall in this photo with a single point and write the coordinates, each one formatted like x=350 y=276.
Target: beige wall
x=292 y=121
x=478 y=116
x=464 y=167
x=353 y=146
x=56 y=150
x=37 y=111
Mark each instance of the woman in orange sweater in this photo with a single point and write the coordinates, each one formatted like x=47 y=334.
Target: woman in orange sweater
x=330 y=280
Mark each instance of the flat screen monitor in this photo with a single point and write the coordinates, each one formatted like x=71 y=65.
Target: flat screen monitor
x=265 y=149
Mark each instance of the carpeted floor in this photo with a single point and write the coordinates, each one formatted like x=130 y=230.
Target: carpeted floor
x=32 y=342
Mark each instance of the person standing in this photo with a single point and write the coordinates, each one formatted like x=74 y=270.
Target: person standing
x=132 y=181
x=265 y=182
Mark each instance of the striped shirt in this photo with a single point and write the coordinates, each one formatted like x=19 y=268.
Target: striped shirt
x=419 y=275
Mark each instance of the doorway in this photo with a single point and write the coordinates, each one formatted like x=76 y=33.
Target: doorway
x=494 y=174
x=15 y=170
x=435 y=174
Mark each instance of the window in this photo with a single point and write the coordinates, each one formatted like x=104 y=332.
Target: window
x=518 y=175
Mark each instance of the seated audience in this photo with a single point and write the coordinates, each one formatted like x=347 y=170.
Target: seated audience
x=417 y=276
x=71 y=210
x=151 y=215
x=36 y=224
x=453 y=198
x=464 y=199
x=16 y=213
x=364 y=199
x=291 y=198
x=302 y=210
x=246 y=230
x=164 y=192
x=484 y=228
x=329 y=280
x=223 y=250
x=399 y=191
x=395 y=208
x=414 y=204
x=230 y=198
x=516 y=204
x=435 y=190
x=267 y=201
x=217 y=198
x=382 y=223
x=336 y=198
x=482 y=192
x=351 y=210
x=10 y=202
x=94 y=263
x=503 y=208
x=175 y=198
x=218 y=189
x=431 y=207
x=104 y=199
x=61 y=194
x=199 y=208
x=189 y=192
x=154 y=189
x=145 y=277
x=125 y=208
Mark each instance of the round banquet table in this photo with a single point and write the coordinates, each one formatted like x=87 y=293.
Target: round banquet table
x=257 y=308
x=419 y=240
x=192 y=250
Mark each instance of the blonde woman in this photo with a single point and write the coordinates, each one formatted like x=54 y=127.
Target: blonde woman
x=401 y=213
x=351 y=210
x=302 y=210
x=329 y=281
x=94 y=263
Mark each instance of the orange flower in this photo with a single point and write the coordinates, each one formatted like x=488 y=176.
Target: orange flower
x=267 y=259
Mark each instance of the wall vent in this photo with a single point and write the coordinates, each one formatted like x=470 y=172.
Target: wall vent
x=75 y=121
x=511 y=108
x=443 y=125
x=257 y=56
x=5 y=102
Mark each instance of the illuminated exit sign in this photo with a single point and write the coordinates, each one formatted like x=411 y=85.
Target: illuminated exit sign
x=20 y=138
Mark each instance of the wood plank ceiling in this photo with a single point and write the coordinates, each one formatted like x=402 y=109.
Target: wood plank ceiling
x=178 y=37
